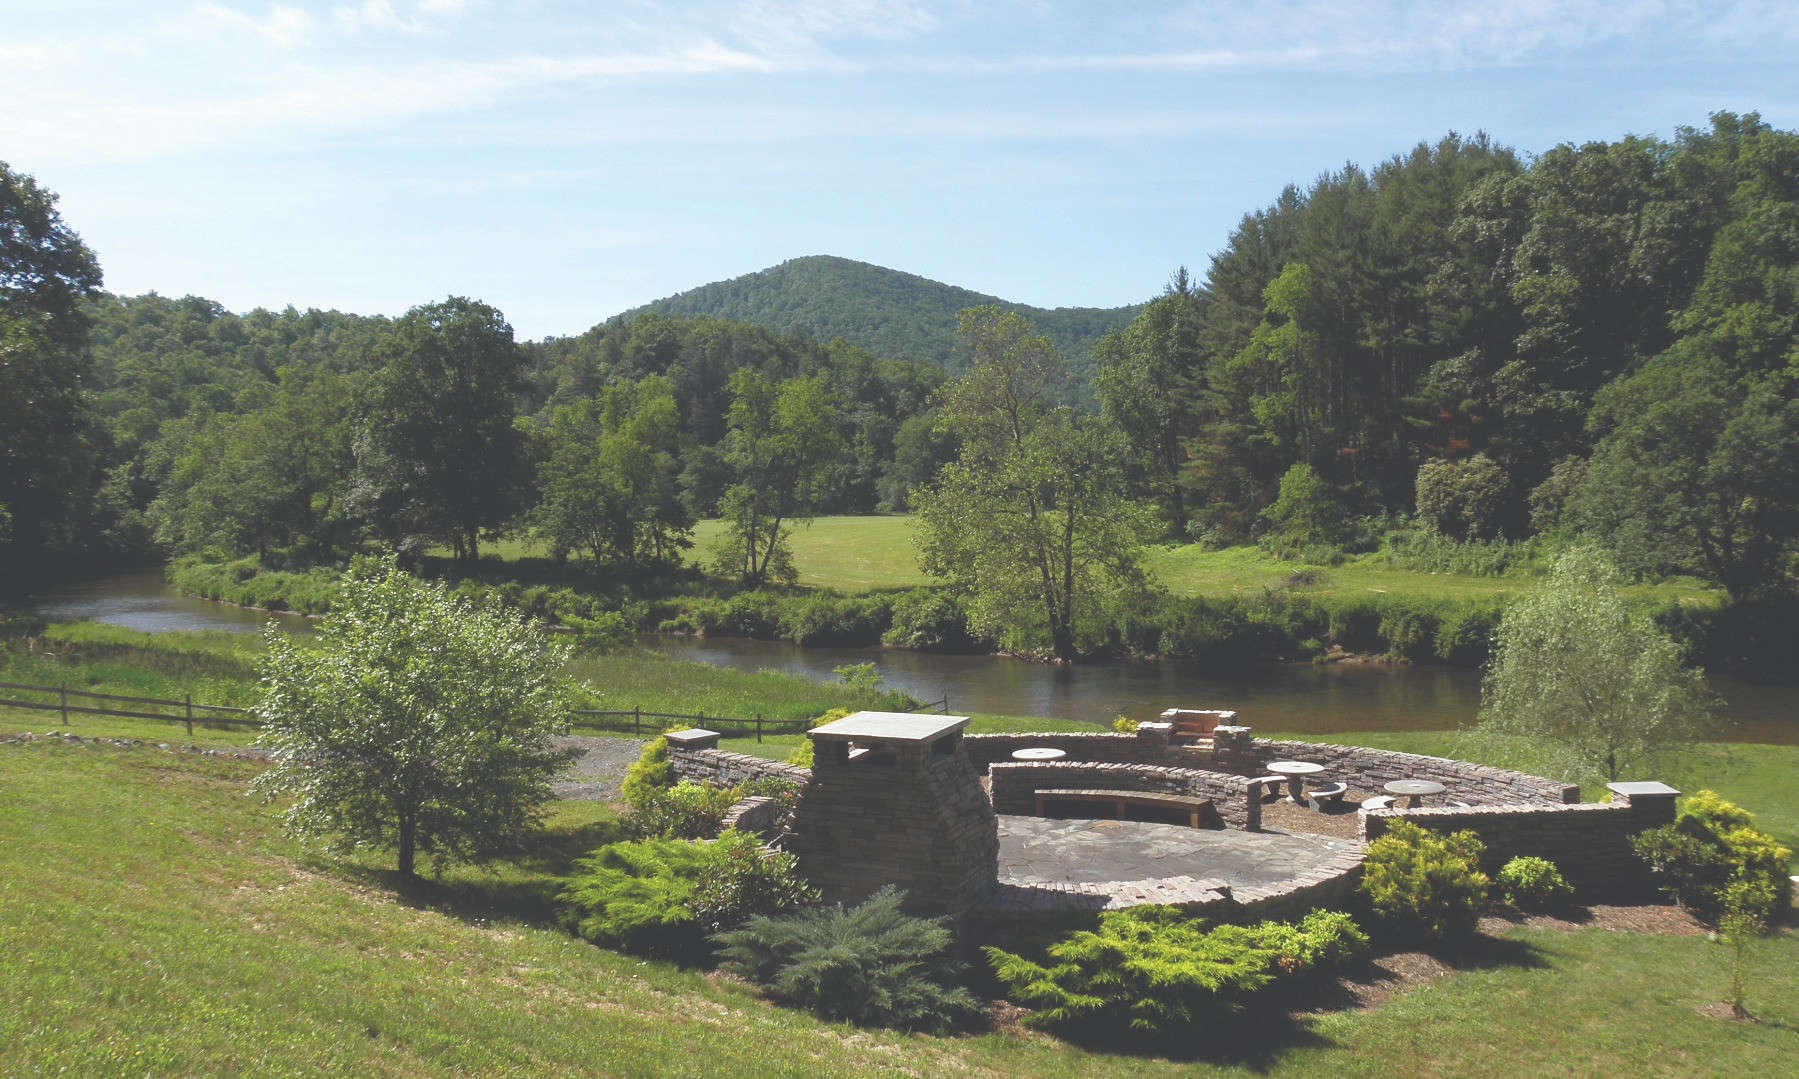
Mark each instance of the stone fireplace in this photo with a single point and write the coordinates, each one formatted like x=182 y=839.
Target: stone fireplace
x=895 y=799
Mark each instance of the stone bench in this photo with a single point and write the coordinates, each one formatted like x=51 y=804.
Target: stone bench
x=1199 y=810
x=1267 y=788
x=1319 y=797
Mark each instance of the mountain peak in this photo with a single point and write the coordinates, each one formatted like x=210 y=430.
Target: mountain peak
x=886 y=311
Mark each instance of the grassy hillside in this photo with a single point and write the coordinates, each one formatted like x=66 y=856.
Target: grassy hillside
x=885 y=311
x=155 y=922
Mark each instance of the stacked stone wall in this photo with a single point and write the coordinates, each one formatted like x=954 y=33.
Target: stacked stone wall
x=1368 y=769
x=1589 y=841
x=1016 y=783
x=722 y=768
x=1104 y=746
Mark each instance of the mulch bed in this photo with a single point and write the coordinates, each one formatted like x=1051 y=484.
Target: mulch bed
x=1338 y=821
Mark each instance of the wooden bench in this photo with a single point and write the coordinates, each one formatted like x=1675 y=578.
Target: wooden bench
x=1198 y=809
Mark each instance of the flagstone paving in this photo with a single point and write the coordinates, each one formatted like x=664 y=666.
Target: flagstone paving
x=1036 y=852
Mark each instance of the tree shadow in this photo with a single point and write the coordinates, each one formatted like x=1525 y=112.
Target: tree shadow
x=519 y=888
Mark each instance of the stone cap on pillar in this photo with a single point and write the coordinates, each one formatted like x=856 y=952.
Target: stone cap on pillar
x=1646 y=791
x=693 y=738
x=889 y=728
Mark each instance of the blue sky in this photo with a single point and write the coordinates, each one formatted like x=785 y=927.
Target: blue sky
x=565 y=161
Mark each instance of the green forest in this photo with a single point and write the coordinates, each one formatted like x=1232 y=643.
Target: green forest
x=1466 y=353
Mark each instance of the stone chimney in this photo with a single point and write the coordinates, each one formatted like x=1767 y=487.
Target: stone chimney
x=894 y=799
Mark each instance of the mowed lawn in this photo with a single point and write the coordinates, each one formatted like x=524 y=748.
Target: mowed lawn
x=154 y=921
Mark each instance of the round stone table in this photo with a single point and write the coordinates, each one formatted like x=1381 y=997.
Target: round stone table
x=1296 y=773
x=1413 y=790
x=1038 y=753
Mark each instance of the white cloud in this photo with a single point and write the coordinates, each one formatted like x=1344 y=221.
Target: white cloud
x=283 y=26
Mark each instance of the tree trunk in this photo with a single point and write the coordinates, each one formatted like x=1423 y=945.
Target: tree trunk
x=408 y=840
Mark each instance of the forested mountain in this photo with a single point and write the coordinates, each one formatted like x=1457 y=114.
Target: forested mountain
x=887 y=312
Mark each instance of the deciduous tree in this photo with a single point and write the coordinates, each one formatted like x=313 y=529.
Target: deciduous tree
x=415 y=722
x=1032 y=520
x=1588 y=681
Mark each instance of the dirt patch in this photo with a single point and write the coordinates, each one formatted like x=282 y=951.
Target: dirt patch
x=1655 y=919
x=1338 y=821
x=1723 y=1010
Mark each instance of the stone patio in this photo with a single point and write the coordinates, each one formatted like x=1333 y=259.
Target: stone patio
x=1092 y=855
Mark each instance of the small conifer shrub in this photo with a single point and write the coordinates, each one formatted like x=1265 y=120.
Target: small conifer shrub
x=1421 y=879
x=1534 y=884
x=871 y=964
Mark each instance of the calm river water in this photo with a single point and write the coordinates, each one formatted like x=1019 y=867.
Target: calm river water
x=1272 y=696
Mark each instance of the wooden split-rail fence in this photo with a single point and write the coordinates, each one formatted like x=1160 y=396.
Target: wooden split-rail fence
x=68 y=702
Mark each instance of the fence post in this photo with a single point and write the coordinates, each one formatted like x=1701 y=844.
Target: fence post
x=637 y=719
x=758 y=726
x=190 y=714
x=62 y=695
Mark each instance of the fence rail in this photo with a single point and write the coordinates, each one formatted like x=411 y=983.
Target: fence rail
x=218 y=715
x=207 y=715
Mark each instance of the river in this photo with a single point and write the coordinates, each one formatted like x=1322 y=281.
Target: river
x=1298 y=697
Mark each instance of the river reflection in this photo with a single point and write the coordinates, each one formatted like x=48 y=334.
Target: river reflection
x=1299 y=697
x=1272 y=696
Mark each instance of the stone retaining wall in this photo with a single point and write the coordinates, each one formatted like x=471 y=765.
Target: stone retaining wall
x=757 y=814
x=1104 y=746
x=696 y=758
x=1015 y=784
x=1589 y=841
x=1368 y=769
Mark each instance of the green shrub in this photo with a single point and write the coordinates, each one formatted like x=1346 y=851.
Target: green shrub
x=634 y=895
x=1533 y=884
x=928 y=619
x=747 y=880
x=650 y=775
x=871 y=964
x=1123 y=724
x=1418 y=878
x=1154 y=970
x=1410 y=633
x=1711 y=846
x=683 y=811
x=1462 y=498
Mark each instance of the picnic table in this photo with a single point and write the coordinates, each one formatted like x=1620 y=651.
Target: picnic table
x=1295 y=773
x=1413 y=790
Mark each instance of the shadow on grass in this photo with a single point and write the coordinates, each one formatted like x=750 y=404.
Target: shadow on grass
x=520 y=889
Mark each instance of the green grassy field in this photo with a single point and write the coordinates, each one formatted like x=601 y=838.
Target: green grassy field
x=856 y=554
x=155 y=922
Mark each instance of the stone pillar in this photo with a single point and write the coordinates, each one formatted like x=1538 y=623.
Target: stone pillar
x=692 y=738
x=1651 y=803
x=1231 y=749
x=1153 y=739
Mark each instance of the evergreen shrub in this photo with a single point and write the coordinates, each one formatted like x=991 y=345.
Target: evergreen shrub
x=650 y=775
x=634 y=896
x=1533 y=884
x=1420 y=879
x=1711 y=846
x=871 y=964
x=1154 y=970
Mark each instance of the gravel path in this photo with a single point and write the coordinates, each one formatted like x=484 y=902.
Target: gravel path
x=599 y=769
